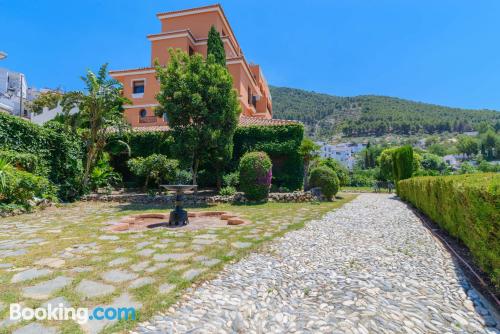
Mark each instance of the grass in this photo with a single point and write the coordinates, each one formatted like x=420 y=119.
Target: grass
x=82 y=223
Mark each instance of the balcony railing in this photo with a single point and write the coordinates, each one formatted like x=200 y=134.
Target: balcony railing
x=148 y=119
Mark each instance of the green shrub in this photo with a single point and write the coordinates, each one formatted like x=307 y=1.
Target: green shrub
x=326 y=179
x=231 y=179
x=402 y=163
x=364 y=177
x=157 y=168
x=183 y=177
x=227 y=191
x=26 y=161
x=338 y=168
x=103 y=175
x=18 y=187
x=61 y=150
x=468 y=207
x=281 y=143
x=255 y=175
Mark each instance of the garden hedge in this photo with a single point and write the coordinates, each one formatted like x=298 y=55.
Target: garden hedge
x=467 y=207
x=280 y=142
x=255 y=175
x=62 y=150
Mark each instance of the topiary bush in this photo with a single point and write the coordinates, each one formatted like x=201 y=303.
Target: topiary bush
x=326 y=179
x=255 y=175
x=467 y=207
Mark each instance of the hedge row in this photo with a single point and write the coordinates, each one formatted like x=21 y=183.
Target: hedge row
x=62 y=150
x=467 y=206
x=281 y=143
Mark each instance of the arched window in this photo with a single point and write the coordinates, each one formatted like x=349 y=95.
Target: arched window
x=143 y=113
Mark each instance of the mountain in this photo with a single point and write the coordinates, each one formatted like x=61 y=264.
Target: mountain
x=369 y=115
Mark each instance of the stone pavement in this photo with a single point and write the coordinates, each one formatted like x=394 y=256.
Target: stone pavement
x=368 y=267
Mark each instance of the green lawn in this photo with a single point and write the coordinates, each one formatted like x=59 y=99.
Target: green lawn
x=54 y=233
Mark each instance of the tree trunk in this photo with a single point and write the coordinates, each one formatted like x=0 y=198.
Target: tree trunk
x=196 y=163
x=88 y=166
x=306 y=172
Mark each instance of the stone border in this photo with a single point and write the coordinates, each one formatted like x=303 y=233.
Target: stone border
x=190 y=199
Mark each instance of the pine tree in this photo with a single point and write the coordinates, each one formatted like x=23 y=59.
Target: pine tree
x=215 y=46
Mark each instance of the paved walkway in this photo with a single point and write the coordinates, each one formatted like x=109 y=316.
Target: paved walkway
x=369 y=267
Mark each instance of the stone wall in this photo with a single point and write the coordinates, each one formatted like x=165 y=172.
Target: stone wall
x=293 y=197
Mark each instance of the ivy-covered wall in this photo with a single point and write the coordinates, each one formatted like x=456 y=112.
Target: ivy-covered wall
x=61 y=150
x=280 y=142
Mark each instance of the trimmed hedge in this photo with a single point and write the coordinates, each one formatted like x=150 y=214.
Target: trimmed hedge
x=281 y=143
x=326 y=179
x=63 y=151
x=255 y=175
x=467 y=206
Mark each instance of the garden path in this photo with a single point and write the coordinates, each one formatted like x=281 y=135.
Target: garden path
x=368 y=267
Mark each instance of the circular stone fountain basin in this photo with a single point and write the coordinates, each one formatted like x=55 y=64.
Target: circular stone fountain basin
x=197 y=220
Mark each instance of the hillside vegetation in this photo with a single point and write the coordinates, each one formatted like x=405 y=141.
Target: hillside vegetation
x=326 y=115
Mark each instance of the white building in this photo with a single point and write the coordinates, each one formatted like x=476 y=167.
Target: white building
x=344 y=152
x=12 y=85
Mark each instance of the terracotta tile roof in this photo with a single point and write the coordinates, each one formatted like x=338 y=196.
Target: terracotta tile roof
x=249 y=121
x=132 y=70
x=244 y=121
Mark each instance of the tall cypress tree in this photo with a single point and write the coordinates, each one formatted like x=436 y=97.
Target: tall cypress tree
x=215 y=46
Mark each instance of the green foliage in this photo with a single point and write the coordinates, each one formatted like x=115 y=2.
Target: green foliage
x=103 y=175
x=327 y=115
x=386 y=164
x=227 y=191
x=486 y=167
x=100 y=107
x=309 y=151
x=215 y=46
x=467 y=145
x=255 y=171
x=402 y=163
x=61 y=150
x=326 y=179
x=157 y=168
x=490 y=145
x=467 y=207
x=367 y=158
x=26 y=161
x=281 y=143
x=467 y=168
x=231 y=179
x=18 y=187
x=339 y=169
x=433 y=162
x=182 y=177
x=364 y=177
x=202 y=108
x=439 y=149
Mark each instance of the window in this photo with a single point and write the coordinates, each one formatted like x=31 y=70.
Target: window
x=143 y=113
x=138 y=87
x=165 y=117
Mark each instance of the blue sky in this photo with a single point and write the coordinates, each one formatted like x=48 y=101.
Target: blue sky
x=438 y=51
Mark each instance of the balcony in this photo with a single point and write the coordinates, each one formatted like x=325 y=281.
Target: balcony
x=148 y=119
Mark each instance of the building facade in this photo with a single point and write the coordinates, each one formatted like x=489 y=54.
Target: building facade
x=188 y=30
x=345 y=153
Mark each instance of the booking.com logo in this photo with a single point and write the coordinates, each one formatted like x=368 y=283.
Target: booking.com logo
x=80 y=315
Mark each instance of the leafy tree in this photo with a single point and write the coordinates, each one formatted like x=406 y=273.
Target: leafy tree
x=490 y=144
x=215 y=46
x=309 y=151
x=100 y=108
x=386 y=165
x=202 y=108
x=467 y=145
x=255 y=175
x=438 y=149
x=433 y=162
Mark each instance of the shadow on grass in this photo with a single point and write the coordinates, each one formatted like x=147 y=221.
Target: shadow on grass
x=160 y=206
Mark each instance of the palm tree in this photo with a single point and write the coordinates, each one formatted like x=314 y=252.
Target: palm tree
x=100 y=109
x=309 y=151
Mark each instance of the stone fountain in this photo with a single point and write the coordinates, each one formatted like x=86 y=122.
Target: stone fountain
x=179 y=216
